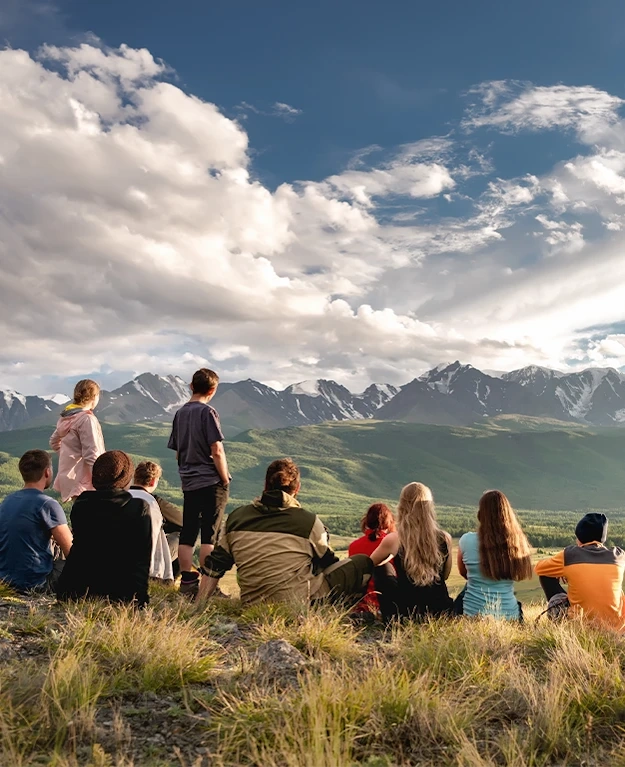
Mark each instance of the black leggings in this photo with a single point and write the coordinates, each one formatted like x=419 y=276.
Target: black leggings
x=551 y=586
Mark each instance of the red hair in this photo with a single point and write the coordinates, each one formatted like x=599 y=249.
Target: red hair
x=379 y=518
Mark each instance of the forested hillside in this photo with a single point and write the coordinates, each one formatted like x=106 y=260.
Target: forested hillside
x=549 y=470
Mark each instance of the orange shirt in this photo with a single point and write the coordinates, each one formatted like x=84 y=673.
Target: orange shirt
x=595 y=581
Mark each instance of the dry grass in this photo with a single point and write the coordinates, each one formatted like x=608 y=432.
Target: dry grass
x=460 y=693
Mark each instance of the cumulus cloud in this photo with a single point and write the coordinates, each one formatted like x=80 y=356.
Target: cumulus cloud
x=134 y=236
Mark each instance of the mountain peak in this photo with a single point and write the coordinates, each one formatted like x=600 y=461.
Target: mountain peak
x=308 y=388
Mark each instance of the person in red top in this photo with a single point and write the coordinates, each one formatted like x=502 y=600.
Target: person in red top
x=375 y=525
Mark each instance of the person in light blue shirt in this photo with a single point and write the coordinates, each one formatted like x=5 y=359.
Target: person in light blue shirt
x=492 y=560
x=29 y=521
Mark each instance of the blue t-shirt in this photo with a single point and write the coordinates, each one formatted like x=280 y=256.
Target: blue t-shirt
x=26 y=519
x=484 y=596
x=195 y=428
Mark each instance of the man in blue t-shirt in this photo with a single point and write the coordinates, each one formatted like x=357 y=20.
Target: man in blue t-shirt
x=29 y=520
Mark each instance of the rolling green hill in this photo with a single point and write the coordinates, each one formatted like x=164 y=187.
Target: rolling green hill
x=552 y=471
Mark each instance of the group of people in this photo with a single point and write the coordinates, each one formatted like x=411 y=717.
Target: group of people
x=398 y=569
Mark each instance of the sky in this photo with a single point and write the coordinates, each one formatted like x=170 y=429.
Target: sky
x=289 y=191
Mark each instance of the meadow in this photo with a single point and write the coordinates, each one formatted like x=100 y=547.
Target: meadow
x=175 y=685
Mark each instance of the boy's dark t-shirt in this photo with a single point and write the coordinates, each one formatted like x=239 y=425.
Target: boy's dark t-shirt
x=27 y=518
x=196 y=427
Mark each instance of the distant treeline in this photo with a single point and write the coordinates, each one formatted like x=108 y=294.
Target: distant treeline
x=544 y=529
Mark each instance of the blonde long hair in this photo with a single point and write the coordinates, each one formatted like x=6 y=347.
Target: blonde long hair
x=504 y=549
x=419 y=534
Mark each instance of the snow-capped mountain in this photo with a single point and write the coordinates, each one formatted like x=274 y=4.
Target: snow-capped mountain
x=18 y=411
x=242 y=405
x=447 y=394
x=460 y=394
x=147 y=397
x=248 y=404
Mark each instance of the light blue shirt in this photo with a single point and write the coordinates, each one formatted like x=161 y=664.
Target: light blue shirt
x=484 y=596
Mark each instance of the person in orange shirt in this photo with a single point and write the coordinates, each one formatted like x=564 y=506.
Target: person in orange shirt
x=594 y=574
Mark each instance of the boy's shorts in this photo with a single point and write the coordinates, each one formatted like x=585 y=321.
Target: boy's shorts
x=203 y=510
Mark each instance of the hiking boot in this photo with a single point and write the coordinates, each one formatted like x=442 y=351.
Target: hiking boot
x=189 y=588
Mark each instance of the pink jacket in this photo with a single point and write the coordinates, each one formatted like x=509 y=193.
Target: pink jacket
x=78 y=440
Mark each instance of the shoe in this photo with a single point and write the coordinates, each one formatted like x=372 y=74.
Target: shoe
x=190 y=588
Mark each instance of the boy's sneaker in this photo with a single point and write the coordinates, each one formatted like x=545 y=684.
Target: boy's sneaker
x=189 y=586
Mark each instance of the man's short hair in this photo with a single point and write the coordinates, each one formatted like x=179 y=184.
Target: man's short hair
x=284 y=475
x=33 y=465
x=147 y=473
x=85 y=391
x=204 y=380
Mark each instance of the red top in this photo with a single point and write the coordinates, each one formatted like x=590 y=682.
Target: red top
x=365 y=546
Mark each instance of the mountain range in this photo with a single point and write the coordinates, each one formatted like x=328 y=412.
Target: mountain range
x=449 y=394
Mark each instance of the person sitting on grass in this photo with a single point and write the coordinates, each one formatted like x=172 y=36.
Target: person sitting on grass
x=29 y=522
x=281 y=551
x=492 y=560
x=375 y=525
x=112 y=548
x=147 y=475
x=594 y=574
x=414 y=586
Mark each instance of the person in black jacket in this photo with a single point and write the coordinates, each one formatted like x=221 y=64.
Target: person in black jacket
x=94 y=568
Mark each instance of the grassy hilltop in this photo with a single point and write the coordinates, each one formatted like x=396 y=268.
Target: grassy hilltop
x=98 y=686
x=177 y=686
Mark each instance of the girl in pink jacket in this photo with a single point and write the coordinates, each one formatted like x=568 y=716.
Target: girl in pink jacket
x=78 y=440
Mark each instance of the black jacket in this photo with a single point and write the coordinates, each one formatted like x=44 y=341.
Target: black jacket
x=112 y=548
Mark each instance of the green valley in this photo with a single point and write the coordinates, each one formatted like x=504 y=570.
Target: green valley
x=550 y=470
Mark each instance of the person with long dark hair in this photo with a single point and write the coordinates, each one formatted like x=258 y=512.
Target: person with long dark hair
x=421 y=554
x=375 y=526
x=492 y=560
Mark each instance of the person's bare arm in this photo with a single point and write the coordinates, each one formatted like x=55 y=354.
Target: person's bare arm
x=218 y=454
x=207 y=588
x=386 y=550
x=447 y=566
x=63 y=536
x=462 y=568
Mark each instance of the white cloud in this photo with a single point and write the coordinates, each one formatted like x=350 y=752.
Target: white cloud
x=278 y=109
x=513 y=106
x=134 y=237
x=286 y=110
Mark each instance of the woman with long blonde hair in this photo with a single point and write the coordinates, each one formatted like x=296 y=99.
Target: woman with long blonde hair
x=492 y=560
x=421 y=554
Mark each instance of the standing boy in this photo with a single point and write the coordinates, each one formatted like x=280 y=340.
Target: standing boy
x=198 y=441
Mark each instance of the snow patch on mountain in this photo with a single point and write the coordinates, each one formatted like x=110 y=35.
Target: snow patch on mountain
x=58 y=399
x=308 y=388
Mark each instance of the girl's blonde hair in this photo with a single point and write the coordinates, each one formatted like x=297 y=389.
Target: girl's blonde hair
x=504 y=549
x=85 y=391
x=419 y=534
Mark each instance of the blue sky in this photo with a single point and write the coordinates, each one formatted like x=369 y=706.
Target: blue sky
x=362 y=72
x=406 y=165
